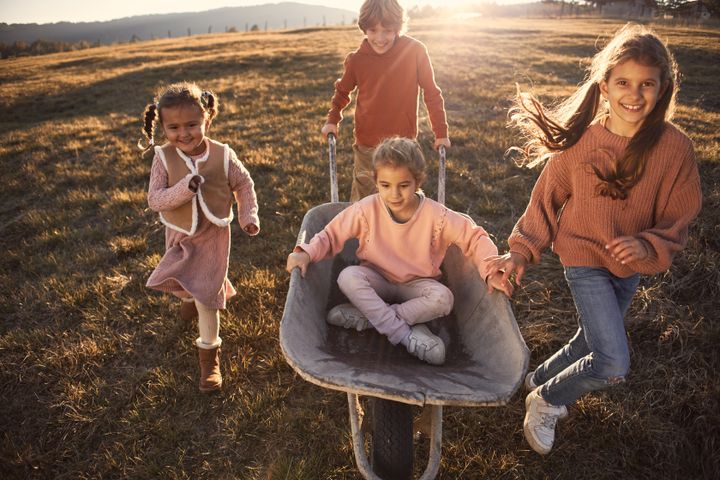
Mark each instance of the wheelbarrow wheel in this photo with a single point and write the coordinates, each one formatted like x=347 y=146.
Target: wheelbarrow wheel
x=392 y=437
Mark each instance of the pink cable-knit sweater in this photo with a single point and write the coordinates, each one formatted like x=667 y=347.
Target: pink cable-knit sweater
x=564 y=211
x=402 y=252
x=197 y=265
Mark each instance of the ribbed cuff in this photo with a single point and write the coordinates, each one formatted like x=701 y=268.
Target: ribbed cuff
x=205 y=346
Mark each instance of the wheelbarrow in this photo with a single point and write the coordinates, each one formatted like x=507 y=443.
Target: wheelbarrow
x=485 y=363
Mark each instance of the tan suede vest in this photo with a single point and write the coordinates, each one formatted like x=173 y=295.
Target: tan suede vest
x=214 y=196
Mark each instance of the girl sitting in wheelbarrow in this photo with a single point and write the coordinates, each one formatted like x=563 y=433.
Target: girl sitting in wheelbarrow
x=403 y=237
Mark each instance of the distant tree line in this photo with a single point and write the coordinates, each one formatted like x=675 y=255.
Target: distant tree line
x=41 y=47
x=679 y=6
x=664 y=6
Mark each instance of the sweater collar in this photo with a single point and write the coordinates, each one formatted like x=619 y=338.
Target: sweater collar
x=607 y=137
x=366 y=49
x=193 y=160
x=415 y=214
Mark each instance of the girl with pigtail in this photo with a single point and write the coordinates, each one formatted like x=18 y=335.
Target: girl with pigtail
x=193 y=182
x=618 y=190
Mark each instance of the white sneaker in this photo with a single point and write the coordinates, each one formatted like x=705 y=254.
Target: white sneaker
x=346 y=315
x=540 y=421
x=529 y=384
x=425 y=345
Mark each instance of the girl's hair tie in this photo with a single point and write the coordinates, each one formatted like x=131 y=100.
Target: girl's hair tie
x=205 y=96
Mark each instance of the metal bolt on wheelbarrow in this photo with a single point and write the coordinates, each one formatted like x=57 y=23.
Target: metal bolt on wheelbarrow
x=485 y=363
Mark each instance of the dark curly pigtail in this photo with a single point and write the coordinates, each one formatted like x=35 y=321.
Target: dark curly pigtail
x=209 y=103
x=149 y=120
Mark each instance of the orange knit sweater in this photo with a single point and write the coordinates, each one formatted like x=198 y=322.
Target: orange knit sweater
x=387 y=92
x=565 y=212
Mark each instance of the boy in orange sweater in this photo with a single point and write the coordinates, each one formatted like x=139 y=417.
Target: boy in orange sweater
x=388 y=70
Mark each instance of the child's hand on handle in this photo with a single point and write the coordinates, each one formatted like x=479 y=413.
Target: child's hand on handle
x=251 y=229
x=329 y=128
x=627 y=249
x=299 y=260
x=497 y=282
x=445 y=142
x=508 y=264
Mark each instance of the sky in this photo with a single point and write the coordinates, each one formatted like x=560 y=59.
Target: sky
x=49 y=11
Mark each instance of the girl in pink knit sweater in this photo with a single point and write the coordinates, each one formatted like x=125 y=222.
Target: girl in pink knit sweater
x=193 y=183
x=403 y=237
x=614 y=201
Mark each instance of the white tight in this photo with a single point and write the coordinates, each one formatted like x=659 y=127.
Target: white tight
x=209 y=327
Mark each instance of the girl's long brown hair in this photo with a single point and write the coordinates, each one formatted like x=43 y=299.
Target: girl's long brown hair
x=549 y=131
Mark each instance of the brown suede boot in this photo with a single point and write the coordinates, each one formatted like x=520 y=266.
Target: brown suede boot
x=210 y=377
x=188 y=311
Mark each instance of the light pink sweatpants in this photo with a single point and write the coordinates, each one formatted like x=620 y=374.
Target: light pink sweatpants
x=391 y=307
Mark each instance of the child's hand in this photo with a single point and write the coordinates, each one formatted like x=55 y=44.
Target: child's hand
x=508 y=264
x=251 y=229
x=329 y=128
x=299 y=260
x=627 y=249
x=445 y=142
x=194 y=183
x=496 y=281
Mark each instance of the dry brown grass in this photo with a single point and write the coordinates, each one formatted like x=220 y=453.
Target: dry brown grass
x=97 y=375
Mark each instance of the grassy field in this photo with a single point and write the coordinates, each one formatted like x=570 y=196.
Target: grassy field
x=97 y=373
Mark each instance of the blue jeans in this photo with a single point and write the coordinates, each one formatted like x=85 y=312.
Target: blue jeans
x=598 y=355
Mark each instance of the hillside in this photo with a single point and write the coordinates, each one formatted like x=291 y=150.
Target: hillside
x=145 y=27
x=98 y=373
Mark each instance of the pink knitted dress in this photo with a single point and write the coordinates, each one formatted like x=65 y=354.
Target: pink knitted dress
x=197 y=265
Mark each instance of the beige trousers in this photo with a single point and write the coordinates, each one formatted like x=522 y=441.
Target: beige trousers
x=363 y=183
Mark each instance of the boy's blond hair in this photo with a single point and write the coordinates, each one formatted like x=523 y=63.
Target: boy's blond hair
x=401 y=152
x=388 y=13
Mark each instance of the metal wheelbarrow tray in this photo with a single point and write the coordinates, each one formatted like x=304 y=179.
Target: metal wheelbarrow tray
x=485 y=362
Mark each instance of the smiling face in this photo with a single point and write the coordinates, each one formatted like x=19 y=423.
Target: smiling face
x=185 y=127
x=397 y=187
x=632 y=91
x=381 y=38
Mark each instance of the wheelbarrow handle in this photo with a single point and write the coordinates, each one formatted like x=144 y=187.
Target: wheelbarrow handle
x=333 y=167
x=441 y=175
x=332 y=147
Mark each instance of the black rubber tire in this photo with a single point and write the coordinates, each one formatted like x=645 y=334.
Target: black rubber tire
x=392 y=440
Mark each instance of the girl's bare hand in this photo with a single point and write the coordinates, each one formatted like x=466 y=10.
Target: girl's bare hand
x=496 y=282
x=627 y=249
x=299 y=260
x=251 y=229
x=509 y=264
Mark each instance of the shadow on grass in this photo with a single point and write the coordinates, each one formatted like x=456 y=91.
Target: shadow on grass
x=128 y=93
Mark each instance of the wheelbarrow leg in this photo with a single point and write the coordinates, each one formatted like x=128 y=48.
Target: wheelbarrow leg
x=361 y=458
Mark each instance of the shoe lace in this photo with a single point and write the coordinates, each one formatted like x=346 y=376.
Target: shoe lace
x=548 y=418
x=549 y=421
